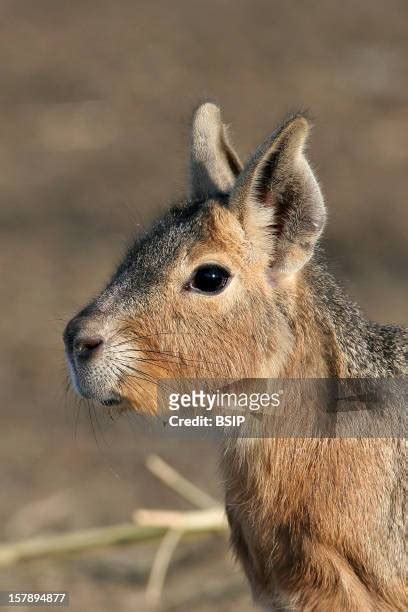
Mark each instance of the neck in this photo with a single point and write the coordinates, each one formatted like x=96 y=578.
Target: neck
x=314 y=347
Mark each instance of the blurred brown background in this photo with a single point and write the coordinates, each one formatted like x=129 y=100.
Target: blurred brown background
x=95 y=100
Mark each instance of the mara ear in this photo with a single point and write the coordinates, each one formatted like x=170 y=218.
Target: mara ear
x=214 y=165
x=278 y=199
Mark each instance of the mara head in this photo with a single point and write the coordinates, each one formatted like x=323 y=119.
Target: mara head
x=208 y=290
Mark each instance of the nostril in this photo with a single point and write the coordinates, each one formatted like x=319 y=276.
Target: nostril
x=84 y=348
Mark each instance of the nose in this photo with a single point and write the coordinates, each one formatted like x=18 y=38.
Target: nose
x=79 y=343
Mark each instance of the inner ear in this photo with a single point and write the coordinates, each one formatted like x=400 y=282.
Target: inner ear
x=264 y=196
x=262 y=186
x=278 y=194
x=232 y=158
x=214 y=165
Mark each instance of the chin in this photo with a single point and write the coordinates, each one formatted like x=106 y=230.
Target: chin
x=93 y=391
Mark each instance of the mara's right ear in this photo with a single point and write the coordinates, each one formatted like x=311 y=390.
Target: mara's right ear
x=214 y=165
x=278 y=199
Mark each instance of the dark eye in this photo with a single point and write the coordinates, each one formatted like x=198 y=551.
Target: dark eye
x=209 y=279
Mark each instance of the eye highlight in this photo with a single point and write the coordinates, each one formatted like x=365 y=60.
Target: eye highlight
x=209 y=279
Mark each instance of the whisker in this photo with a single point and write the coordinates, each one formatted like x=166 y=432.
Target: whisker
x=180 y=356
x=89 y=406
x=140 y=375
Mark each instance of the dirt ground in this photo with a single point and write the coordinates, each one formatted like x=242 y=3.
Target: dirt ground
x=95 y=99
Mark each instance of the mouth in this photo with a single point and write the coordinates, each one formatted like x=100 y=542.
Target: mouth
x=104 y=397
x=94 y=387
x=111 y=401
x=98 y=377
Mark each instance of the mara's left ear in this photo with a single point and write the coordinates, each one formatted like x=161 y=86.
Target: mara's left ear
x=214 y=165
x=278 y=199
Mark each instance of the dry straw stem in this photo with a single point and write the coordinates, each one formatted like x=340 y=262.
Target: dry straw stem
x=190 y=523
x=210 y=516
x=76 y=542
x=161 y=563
x=195 y=521
x=175 y=481
x=89 y=539
x=115 y=535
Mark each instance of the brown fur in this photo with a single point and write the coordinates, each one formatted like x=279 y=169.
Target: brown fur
x=316 y=523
